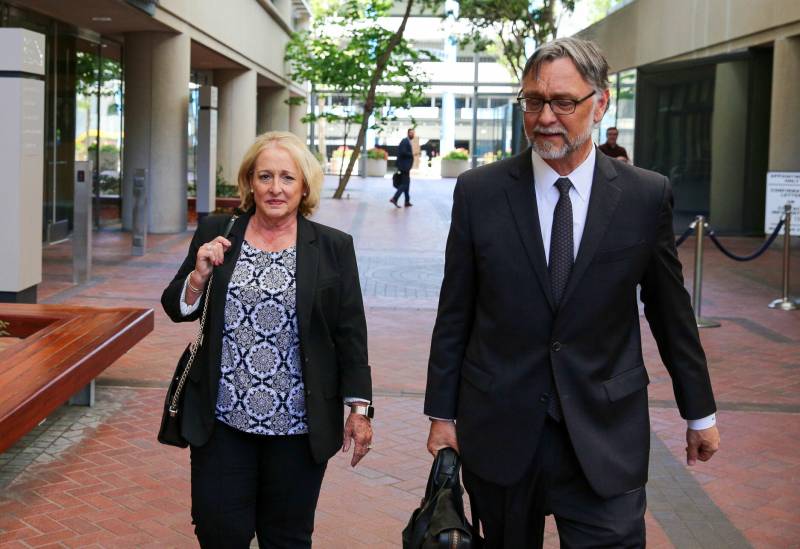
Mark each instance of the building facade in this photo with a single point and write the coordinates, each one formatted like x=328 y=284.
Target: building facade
x=120 y=90
x=708 y=98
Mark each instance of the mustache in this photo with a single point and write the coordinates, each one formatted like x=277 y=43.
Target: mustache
x=550 y=130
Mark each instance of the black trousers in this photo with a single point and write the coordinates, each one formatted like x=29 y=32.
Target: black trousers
x=513 y=517
x=405 y=185
x=244 y=484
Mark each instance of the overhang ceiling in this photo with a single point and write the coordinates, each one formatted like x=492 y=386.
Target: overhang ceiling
x=204 y=59
x=104 y=17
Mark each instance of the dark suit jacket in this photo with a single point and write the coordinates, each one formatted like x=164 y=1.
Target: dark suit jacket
x=333 y=331
x=499 y=341
x=405 y=155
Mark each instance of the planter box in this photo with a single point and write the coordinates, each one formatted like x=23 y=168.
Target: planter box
x=454 y=168
x=376 y=167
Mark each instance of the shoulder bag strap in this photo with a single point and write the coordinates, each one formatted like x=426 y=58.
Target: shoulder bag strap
x=198 y=340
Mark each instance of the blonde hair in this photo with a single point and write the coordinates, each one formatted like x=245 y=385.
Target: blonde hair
x=306 y=162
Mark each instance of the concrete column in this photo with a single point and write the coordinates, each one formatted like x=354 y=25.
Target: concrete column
x=22 y=111
x=273 y=112
x=296 y=124
x=729 y=146
x=784 y=133
x=236 y=118
x=157 y=67
x=447 y=133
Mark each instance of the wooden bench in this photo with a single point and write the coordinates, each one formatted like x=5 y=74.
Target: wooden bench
x=58 y=352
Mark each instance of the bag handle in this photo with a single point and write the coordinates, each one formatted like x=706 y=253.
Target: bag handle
x=444 y=471
x=198 y=341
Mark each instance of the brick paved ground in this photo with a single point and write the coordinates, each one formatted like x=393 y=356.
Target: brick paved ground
x=97 y=478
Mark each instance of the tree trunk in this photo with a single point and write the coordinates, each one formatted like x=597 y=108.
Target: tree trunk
x=369 y=104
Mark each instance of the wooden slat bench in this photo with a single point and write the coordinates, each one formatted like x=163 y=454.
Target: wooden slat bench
x=60 y=350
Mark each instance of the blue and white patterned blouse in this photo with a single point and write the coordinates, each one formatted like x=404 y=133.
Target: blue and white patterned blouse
x=261 y=387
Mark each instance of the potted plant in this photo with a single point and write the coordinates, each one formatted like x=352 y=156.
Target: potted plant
x=376 y=162
x=455 y=162
x=340 y=158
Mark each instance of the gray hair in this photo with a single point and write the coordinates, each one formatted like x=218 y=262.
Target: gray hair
x=586 y=55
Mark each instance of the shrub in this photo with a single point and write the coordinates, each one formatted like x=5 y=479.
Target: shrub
x=457 y=154
x=342 y=151
x=377 y=154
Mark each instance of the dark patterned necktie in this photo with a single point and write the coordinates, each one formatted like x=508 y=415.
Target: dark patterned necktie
x=561 y=244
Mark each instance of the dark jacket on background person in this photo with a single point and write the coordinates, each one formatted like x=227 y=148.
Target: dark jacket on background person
x=333 y=333
x=405 y=155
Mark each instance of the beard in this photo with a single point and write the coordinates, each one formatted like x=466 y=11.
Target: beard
x=551 y=151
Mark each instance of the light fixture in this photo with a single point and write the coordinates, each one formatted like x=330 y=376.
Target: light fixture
x=101 y=19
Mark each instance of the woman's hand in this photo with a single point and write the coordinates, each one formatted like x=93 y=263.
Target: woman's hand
x=359 y=429
x=209 y=255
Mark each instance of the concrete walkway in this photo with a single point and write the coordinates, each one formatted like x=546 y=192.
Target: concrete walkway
x=97 y=477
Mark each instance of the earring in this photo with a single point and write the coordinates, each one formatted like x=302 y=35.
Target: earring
x=305 y=194
x=251 y=190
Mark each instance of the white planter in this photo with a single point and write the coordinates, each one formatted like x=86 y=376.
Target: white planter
x=454 y=168
x=376 y=167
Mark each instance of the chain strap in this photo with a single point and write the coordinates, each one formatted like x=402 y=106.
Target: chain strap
x=198 y=341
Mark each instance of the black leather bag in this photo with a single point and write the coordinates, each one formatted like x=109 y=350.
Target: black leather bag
x=397 y=179
x=170 y=430
x=439 y=522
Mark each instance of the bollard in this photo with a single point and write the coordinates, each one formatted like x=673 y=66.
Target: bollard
x=82 y=223
x=140 y=213
x=786 y=303
x=697 y=295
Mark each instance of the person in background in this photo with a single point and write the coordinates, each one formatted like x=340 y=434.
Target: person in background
x=610 y=147
x=284 y=345
x=405 y=161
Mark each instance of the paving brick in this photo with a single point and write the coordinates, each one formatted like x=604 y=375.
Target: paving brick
x=102 y=479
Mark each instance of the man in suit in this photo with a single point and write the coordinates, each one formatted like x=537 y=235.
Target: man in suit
x=536 y=373
x=405 y=160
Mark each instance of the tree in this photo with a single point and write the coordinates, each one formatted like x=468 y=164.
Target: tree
x=511 y=26
x=346 y=51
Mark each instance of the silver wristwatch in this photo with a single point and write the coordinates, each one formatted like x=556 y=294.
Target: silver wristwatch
x=363 y=409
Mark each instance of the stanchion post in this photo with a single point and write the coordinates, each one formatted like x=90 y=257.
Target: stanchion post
x=697 y=294
x=786 y=303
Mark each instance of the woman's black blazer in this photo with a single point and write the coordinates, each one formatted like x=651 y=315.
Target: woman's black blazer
x=333 y=330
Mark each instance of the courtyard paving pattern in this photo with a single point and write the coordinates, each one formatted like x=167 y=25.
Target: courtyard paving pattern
x=96 y=477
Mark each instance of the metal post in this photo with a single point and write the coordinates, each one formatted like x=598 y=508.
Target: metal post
x=697 y=295
x=140 y=212
x=82 y=223
x=474 y=152
x=786 y=303
x=84 y=397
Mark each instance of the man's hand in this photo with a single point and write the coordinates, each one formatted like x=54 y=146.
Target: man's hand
x=701 y=444
x=442 y=435
x=359 y=429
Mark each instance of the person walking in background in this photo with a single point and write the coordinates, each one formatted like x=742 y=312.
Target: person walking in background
x=610 y=147
x=536 y=372
x=285 y=344
x=405 y=161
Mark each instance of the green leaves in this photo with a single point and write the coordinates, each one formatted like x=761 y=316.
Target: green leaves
x=510 y=26
x=347 y=51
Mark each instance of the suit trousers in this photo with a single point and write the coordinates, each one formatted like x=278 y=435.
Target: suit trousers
x=405 y=185
x=245 y=484
x=513 y=516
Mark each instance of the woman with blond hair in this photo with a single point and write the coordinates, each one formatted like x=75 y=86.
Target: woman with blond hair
x=284 y=345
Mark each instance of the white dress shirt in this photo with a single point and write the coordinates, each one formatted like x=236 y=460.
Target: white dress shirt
x=547 y=196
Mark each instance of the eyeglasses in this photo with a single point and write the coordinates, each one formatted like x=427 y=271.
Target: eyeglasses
x=558 y=106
